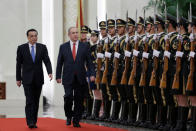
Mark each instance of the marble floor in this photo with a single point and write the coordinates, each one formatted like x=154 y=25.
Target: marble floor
x=15 y=109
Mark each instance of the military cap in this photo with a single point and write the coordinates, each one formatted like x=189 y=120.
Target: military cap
x=159 y=20
x=183 y=22
x=111 y=23
x=150 y=20
x=102 y=25
x=140 y=21
x=95 y=32
x=171 y=19
x=120 y=22
x=130 y=22
x=85 y=29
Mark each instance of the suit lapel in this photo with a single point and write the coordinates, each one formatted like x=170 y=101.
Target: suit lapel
x=28 y=51
x=37 y=52
x=69 y=51
x=78 y=50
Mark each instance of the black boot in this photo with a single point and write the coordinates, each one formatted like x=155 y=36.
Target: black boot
x=151 y=116
x=96 y=109
x=132 y=114
x=193 y=121
x=182 y=119
x=115 y=111
x=142 y=114
x=89 y=106
x=84 y=114
x=161 y=117
x=171 y=122
x=106 y=110
x=124 y=113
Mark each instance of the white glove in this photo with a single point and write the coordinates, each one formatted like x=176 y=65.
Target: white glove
x=166 y=37
x=155 y=37
x=100 y=55
x=106 y=41
x=191 y=37
x=135 y=52
x=156 y=53
x=167 y=54
x=117 y=55
x=179 y=54
x=108 y=54
x=145 y=55
x=127 y=38
x=115 y=41
x=127 y=53
x=179 y=37
x=144 y=38
x=135 y=38
x=192 y=54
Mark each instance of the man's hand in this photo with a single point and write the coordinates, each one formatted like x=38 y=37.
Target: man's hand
x=50 y=76
x=18 y=83
x=92 y=78
x=58 y=80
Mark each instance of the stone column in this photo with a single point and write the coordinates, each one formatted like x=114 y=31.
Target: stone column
x=69 y=16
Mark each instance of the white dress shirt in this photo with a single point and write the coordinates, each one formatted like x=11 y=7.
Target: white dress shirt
x=30 y=48
x=71 y=44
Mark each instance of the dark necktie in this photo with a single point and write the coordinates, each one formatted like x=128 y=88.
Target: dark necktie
x=33 y=53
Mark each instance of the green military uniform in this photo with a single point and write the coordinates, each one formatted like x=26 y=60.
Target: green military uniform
x=169 y=98
x=105 y=87
x=158 y=92
x=116 y=105
x=88 y=99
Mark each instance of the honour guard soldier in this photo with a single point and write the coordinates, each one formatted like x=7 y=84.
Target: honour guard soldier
x=136 y=71
x=88 y=101
x=169 y=69
x=108 y=68
x=94 y=41
x=117 y=74
x=131 y=91
x=180 y=78
x=158 y=51
x=146 y=73
x=191 y=85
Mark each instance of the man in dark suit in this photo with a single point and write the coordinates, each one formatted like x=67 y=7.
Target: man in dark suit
x=29 y=72
x=73 y=57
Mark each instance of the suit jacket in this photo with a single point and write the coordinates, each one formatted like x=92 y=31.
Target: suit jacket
x=71 y=67
x=29 y=71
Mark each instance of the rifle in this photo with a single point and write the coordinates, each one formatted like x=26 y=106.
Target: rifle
x=133 y=72
x=189 y=86
x=104 y=77
x=116 y=66
x=127 y=59
x=176 y=81
x=166 y=59
x=155 y=59
x=145 y=62
x=99 y=64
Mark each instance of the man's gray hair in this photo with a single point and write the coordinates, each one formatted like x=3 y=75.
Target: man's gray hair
x=69 y=30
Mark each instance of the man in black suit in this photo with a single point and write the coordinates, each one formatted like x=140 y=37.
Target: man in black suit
x=29 y=72
x=73 y=57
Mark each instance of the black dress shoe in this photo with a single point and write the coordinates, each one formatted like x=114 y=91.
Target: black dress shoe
x=31 y=126
x=68 y=122
x=77 y=125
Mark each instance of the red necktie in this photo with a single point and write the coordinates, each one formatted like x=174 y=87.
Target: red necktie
x=74 y=51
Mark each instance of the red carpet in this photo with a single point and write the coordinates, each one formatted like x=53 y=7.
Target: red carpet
x=48 y=124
